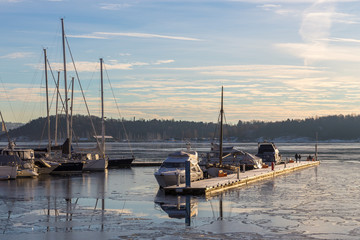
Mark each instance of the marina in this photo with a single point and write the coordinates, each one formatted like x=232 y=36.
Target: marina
x=318 y=202
x=118 y=129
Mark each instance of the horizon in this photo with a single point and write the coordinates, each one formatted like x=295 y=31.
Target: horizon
x=277 y=60
x=178 y=120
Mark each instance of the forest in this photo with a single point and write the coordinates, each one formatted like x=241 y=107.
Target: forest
x=339 y=127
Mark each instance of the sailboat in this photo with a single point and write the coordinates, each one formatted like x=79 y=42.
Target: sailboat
x=79 y=161
x=67 y=164
x=229 y=156
x=99 y=163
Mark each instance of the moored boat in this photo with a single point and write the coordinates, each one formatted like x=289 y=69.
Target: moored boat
x=120 y=162
x=228 y=157
x=233 y=156
x=269 y=153
x=8 y=172
x=172 y=170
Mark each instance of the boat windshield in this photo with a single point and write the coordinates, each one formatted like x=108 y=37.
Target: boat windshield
x=173 y=165
x=265 y=148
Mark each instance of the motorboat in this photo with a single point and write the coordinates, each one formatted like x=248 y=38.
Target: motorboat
x=269 y=153
x=8 y=169
x=172 y=170
x=23 y=168
x=233 y=156
x=24 y=159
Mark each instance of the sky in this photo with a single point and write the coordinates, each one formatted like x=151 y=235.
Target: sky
x=167 y=59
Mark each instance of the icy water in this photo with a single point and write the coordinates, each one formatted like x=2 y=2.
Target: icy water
x=316 y=203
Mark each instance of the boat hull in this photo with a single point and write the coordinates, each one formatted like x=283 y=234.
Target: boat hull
x=95 y=165
x=165 y=180
x=8 y=172
x=119 y=163
x=171 y=178
x=68 y=168
x=26 y=173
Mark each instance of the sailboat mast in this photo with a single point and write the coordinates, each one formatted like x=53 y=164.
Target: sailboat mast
x=71 y=107
x=4 y=128
x=56 y=110
x=221 y=125
x=102 y=110
x=66 y=94
x=47 y=103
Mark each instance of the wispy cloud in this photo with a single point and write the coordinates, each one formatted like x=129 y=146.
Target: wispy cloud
x=85 y=66
x=268 y=71
x=114 y=6
x=17 y=55
x=278 y=9
x=86 y=36
x=144 y=35
x=343 y=40
x=108 y=35
x=163 y=62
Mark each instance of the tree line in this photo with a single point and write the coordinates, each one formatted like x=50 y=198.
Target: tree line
x=342 y=127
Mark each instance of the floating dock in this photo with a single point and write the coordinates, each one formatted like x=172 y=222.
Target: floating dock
x=216 y=185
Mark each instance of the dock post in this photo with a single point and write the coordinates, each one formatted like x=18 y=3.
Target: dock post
x=187 y=174
x=177 y=178
x=285 y=162
x=238 y=172
x=188 y=211
x=243 y=167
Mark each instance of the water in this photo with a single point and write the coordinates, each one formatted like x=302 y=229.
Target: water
x=316 y=203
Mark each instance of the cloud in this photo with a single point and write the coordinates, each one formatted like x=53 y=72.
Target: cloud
x=343 y=40
x=85 y=66
x=144 y=35
x=114 y=6
x=163 y=61
x=17 y=55
x=321 y=52
x=264 y=71
x=108 y=35
x=86 y=36
x=278 y=9
x=315 y=31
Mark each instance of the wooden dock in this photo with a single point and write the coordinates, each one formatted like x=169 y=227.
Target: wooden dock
x=216 y=185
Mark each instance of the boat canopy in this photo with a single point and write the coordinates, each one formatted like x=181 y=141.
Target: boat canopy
x=181 y=156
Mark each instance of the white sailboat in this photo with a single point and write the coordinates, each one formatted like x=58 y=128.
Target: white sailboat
x=95 y=162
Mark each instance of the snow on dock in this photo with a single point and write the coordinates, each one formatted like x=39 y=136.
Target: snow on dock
x=216 y=185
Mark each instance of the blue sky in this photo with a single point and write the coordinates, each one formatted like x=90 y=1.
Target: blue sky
x=168 y=59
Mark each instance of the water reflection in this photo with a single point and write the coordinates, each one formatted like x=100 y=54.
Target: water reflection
x=54 y=203
x=177 y=206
